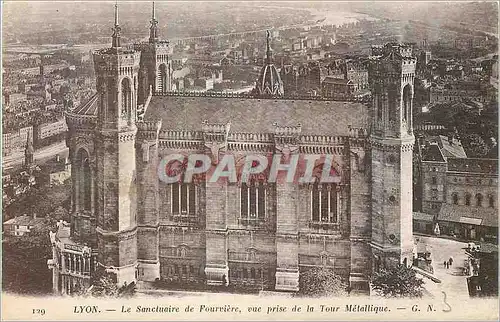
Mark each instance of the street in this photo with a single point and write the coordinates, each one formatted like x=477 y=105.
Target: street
x=453 y=283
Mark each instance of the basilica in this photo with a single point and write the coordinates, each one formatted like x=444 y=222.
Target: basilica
x=256 y=234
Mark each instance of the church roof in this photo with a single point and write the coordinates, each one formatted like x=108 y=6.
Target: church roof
x=451 y=148
x=432 y=152
x=336 y=81
x=89 y=108
x=252 y=115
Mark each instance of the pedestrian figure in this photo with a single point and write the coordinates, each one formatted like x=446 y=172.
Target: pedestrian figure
x=444 y=264
x=450 y=261
x=447 y=265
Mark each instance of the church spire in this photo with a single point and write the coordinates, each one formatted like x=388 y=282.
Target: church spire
x=153 y=30
x=116 y=30
x=269 y=51
x=29 y=151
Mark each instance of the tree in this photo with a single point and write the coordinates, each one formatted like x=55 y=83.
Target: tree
x=322 y=281
x=24 y=265
x=103 y=284
x=399 y=281
x=474 y=146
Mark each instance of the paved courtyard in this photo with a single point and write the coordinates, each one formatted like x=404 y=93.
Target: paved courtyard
x=453 y=282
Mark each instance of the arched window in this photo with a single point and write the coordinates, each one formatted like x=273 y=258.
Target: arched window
x=454 y=196
x=163 y=78
x=392 y=97
x=378 y=101
x=183 y=199
x=112 y=108
x=479 y=200
x=467 y=199
x=126 y=98
x=491 y=201
x=406 y=102
x=379 y=108
x=84 y=180
x=324 y=201
x=253 y=201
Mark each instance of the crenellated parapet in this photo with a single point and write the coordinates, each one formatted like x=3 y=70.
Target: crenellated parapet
x=252 y=96
x=80 y=122
x=390 y=62
x=180 y=135
x=124 y=62
x=258 y=142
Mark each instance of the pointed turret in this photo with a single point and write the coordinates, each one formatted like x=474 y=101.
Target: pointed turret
x=116 y=30
x=269 y=51
x=153 y=30
x=269 y=82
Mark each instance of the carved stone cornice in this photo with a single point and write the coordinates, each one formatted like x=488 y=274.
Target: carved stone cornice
x=250 y=147
x=127 y=136
x=180 y=144
x=285 y=236
x=117 y=235
x=322 y=149
x=221 y=232
x=144 y=227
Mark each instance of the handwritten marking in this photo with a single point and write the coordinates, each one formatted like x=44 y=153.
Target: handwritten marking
x=444 y=300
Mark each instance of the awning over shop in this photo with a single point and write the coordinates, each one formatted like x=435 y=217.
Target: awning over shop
x=423 y=216
x=470 y=221
x=470 y=215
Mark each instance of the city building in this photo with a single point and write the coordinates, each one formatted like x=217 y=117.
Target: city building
x=483 y=270
x=458 y=193
x=458 y=91
x=46 y=130
x=22 y=225
x=14 y=142
x=259 y=233
x=336 y=87
x=357 y=74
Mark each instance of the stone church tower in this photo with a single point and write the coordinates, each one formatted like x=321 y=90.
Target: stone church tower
x=392 y=77
x=155 y=66
x=117 y=72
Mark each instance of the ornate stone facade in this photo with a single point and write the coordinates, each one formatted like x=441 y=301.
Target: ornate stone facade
x=257 y=234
